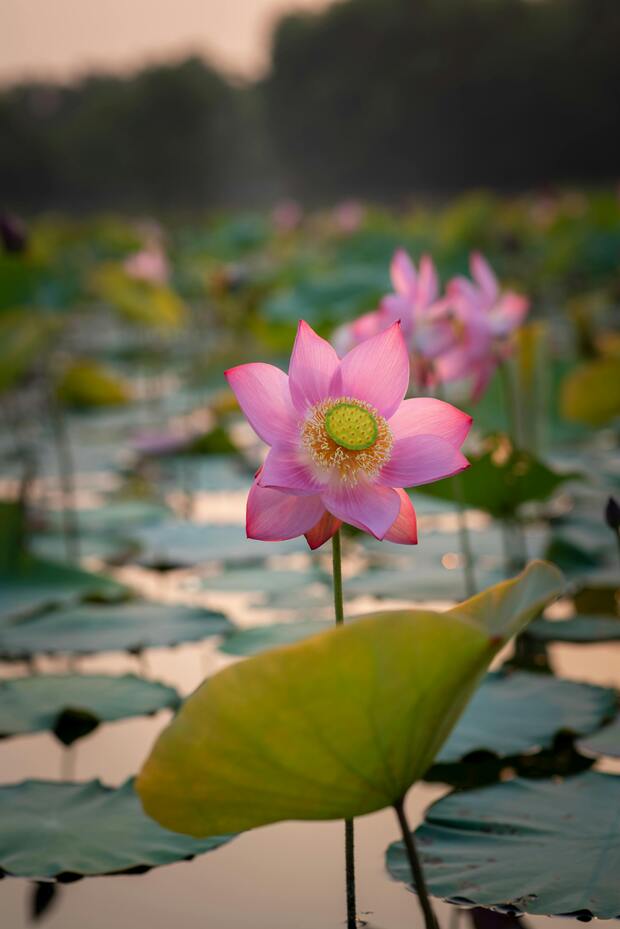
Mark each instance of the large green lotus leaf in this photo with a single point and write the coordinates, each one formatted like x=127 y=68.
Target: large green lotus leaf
x=604 y=742
x=52 y=830
x=35 y=584
x=577 y=629
x=91 y=627
x=531 y=846
x=52 y=701
x=515 y=712
x=336 y=726
x=591 y=392
x=500 y=480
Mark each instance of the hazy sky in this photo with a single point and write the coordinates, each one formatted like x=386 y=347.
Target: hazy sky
x=61 y=38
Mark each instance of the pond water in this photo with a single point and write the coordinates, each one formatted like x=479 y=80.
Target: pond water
x=287 y=876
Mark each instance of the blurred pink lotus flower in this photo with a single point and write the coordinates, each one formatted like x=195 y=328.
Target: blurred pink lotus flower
x=483 y=319
x=349 y=215
x=150 y=265
x=287 y=215
x=343 y=440
x=426 y=323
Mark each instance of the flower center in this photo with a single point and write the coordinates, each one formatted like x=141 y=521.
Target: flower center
x=351 y=426
x=346 y=440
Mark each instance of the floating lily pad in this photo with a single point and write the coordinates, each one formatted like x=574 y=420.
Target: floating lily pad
x=56 y=830
x=252 y=641
x=604 y=742
x=516 y=712
x=262 y=580
x=54 y=701
x=36 y=584
x=116 y=516
x=577 y=629
x=336 y=726
x=501 y=479
x=179 y=544
x=91 y=627
x=532 y=846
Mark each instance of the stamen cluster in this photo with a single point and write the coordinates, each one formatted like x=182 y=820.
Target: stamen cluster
x=332 y=459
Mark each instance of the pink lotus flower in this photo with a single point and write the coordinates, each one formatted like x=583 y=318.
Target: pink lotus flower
x=344 y=441
x=149 y=265
x=484 y=318
x=426 y=323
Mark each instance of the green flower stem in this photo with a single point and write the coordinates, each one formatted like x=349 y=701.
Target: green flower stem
x=511 y=403
x=464 y=536
x=66 y=471
x=417 y=874
x=349 y=835
x=337 y=577
x=468 y=556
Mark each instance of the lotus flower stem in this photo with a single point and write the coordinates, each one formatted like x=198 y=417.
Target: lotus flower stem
x=417 y=874
x=349 y=834
x=511 y=403
x=468 y=556
x=458 y=493
x=66 y=471
x=337 y=578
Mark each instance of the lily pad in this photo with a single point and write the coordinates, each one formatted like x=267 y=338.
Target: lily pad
x=184 y=544
x=578 y=629
x=531 y=846
x=35 y=584
x=257 y=639
x=604 y=742
x=54 y=701
x=336 y=726
x=53 y=830
x=516 y=712
x=90 y=628
x=501 y=480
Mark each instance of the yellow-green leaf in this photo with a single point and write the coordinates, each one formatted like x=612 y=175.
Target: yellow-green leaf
x=86 y=384
x=336 y=726
x=591 y=393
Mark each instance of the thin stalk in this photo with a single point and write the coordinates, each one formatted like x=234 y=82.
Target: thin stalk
x=464 y=537
x=349 y=832
x=337 y=577
x=67 y=480
x=511 y=404
x=417 y=874
x=466 y=547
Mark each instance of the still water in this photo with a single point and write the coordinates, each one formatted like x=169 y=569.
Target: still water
x=286 y=876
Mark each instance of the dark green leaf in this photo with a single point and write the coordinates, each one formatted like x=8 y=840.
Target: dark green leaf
x=71 y=705
x=531 y=846
x=91 y=627
x=88 y=829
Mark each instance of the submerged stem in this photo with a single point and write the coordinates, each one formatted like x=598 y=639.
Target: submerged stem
x=349 y=835
x=417 y=873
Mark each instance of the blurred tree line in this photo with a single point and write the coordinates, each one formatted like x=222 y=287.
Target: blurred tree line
x=371 y=98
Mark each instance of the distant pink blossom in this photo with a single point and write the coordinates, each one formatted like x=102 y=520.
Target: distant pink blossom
x=287 y=215
x=483 y=318
x=150 y=265
x=344 y=443
x=415 y=303
x=349 y=215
